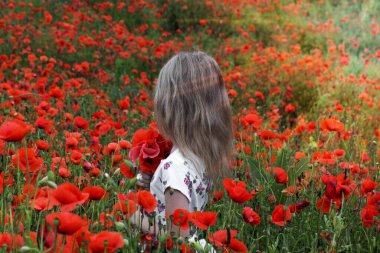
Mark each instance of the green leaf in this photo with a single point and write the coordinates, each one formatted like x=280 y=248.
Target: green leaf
x=283 y=158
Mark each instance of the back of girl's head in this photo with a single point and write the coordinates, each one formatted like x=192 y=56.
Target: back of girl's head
x=191 y=108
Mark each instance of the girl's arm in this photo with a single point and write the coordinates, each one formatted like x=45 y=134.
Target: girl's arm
x=173 y=200
x=176 y=200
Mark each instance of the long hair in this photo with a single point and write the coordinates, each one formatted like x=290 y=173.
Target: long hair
x=191 y=108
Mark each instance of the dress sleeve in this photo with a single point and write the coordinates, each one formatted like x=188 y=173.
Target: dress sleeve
x=177 y=176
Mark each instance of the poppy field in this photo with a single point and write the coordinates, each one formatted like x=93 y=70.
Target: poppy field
x=76 y=82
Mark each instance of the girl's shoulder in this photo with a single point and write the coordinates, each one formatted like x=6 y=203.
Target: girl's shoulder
x=180 y=163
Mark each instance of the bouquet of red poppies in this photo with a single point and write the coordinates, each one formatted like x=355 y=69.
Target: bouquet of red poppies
x=149 y=147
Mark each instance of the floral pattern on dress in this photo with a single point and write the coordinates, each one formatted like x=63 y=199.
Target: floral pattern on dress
x=167 y=165
x=179 y=173
x=189 y=183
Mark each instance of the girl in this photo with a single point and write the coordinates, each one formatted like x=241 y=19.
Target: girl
x=191 y=108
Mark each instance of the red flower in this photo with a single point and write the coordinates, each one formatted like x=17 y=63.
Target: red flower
x=126 y=171
x=106 y=241
x=48 y=17
x=236 y=190
x=296 y=208
x=83 y=237
x=68 y=196
x=81 y=123
x=224 y=240
x=42 y=145
x=146 y=200
x=25 y=159
x=280 y=216
x=202 y=22
x=95 y=192
x=335 y=186
x=280 y=175
x=339 y=153
x=216 y=196
x=76 y=157
x=331 y=125
x=250 y=216
x=150 y=148
x=13 y=130
x=125 y=144
x=367 y=214
x=203 y=220
x=324 y=204
x=68 y=223
x=368 y=186
x=12 y=242
x=181 y=218
x=127 y=207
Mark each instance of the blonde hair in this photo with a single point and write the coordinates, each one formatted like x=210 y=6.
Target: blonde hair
x=191 y=108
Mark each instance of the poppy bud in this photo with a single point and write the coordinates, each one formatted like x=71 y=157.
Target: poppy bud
x=50 y=176
x=26 y=249
x=133 y=182
x=119 y=225
x=52 y=184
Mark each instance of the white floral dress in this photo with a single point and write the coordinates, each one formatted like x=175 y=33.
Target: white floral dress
x=179 y=173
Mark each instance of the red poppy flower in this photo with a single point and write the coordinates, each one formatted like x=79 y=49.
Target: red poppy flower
x=224 y=240
x=280 y=175
x=42 y=145
x=150 y=148
x=296 y=208
x=13 y=130
x=324 y=204
x=203 y=220
x=83 y=237
x=335 y=187
x=216 y=196
x=367 y=214
x=106 y=241
x=44 y=124
x=149 y=165
x=25 y=159
x=368 y=186
x=181 y=218
x=280 y=216
x=202 y=22
x=105 y=220
x=2 y=147
x=331 y=125
x=68 y=196
x=299 y=155
x=81 y=123
x=125 y=144
x=374 y=199
x=146 y=200
x=236 y=190
x=95 y=192
x=250 y=216
x=339 y=153
x=12 y=242
x=326 y=158
x=59 y=242
x=68 y=223
x=252 y=119
x=126 y=171
x=127 y=207
x=268 y=135
x=5 y=180
x=76 y=157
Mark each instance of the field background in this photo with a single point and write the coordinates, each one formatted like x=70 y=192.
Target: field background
x=288 y=66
